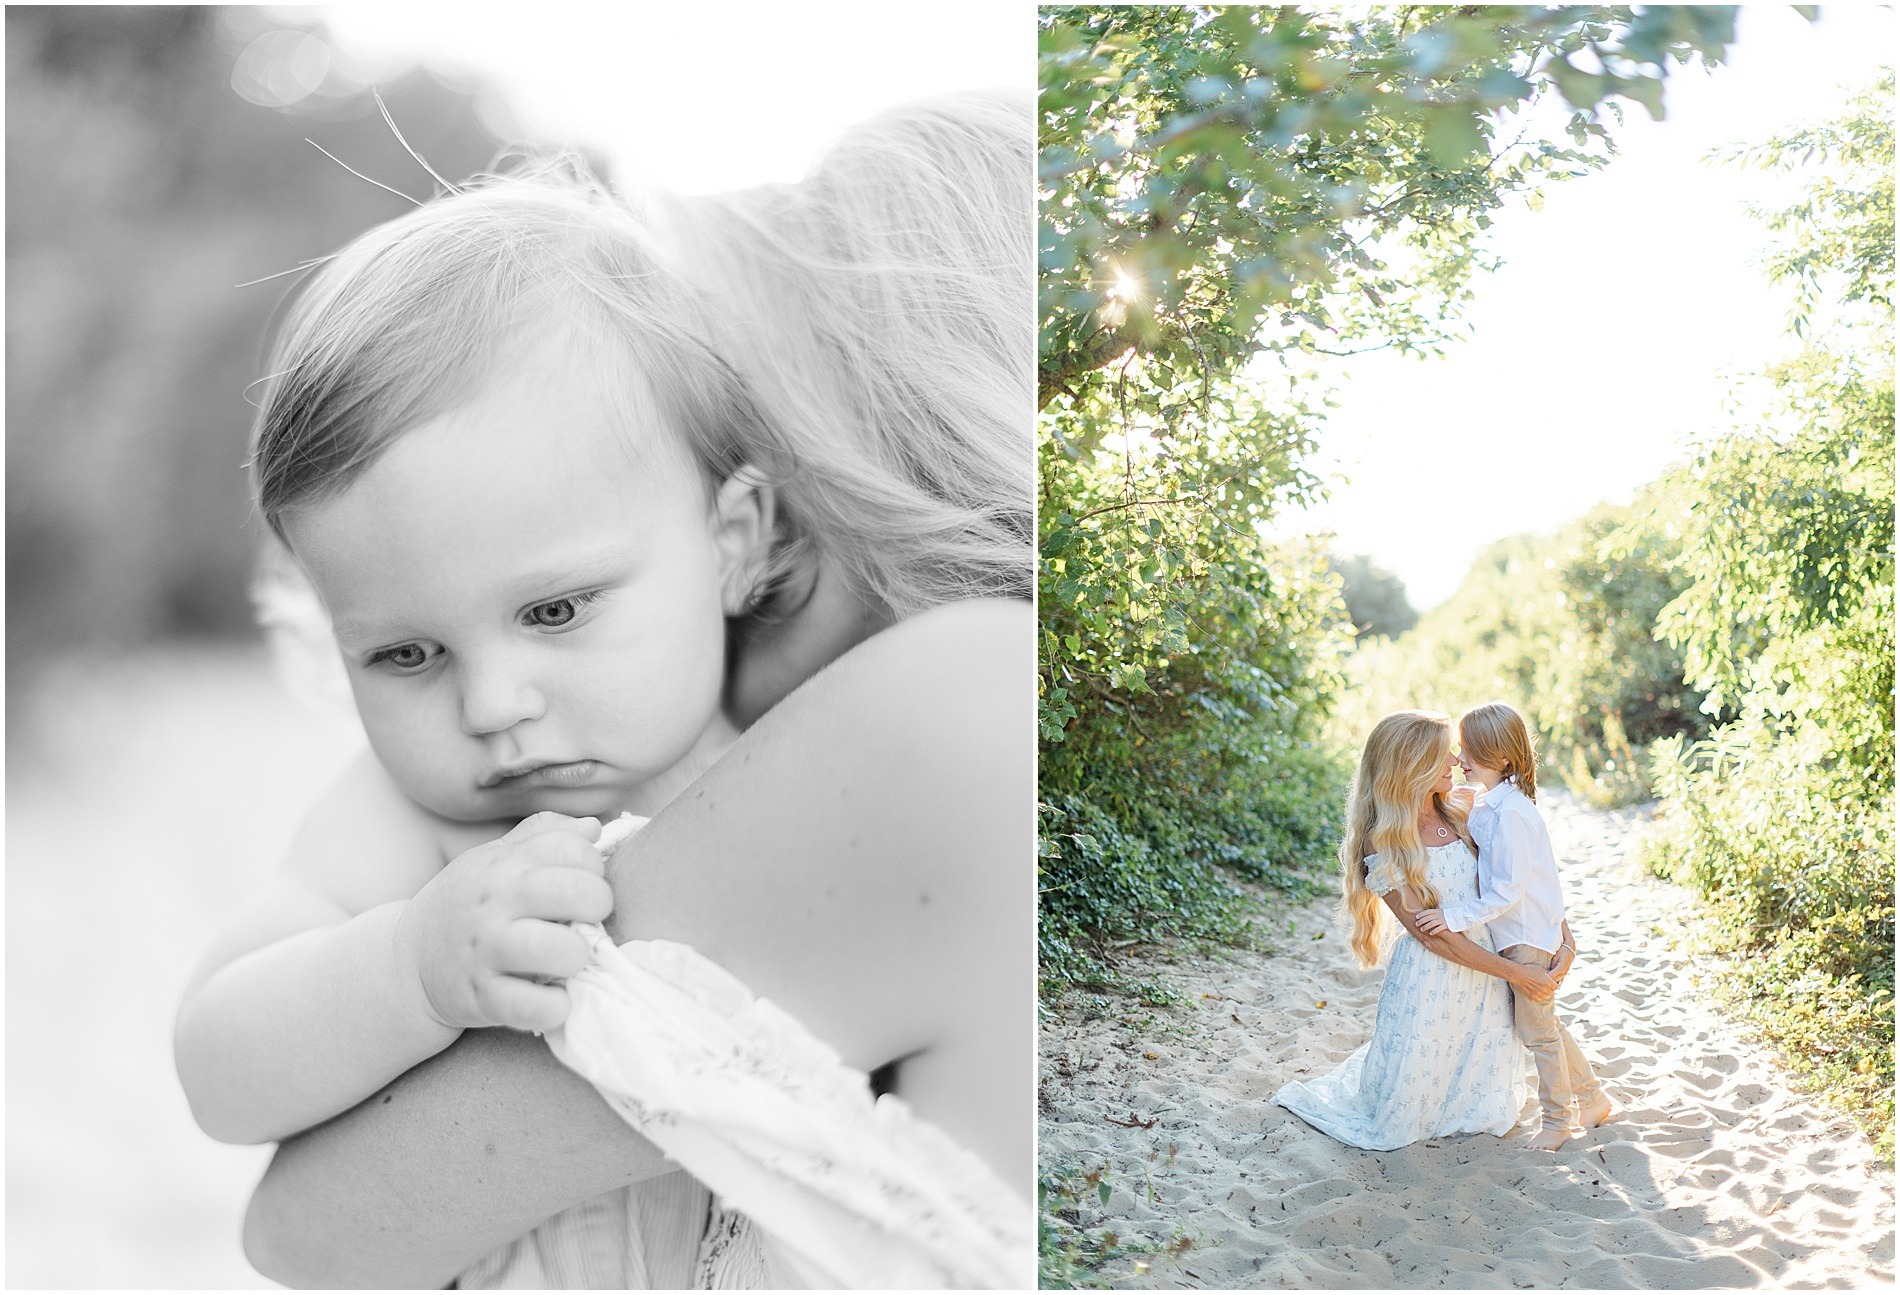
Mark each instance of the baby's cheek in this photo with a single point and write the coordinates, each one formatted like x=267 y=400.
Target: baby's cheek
x=412 y=748
x=676 y=691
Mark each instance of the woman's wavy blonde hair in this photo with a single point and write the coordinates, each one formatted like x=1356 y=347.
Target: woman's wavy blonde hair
x=1404 y=755
x=882 y=312
x=1496 y=736
x=863 y=340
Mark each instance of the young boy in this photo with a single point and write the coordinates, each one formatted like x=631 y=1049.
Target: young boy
x=1521 y=903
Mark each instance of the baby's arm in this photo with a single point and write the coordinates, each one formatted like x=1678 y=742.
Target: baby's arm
x=366 y=955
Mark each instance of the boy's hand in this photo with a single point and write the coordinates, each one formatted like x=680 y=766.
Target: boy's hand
x=1561 y=964
x=1464 y=796
x=1432 y=921
x=492 y=919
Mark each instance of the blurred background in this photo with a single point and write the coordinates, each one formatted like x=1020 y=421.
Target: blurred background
x=158 y=176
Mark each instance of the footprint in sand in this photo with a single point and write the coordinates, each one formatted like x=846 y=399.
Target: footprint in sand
x=1714 y=1174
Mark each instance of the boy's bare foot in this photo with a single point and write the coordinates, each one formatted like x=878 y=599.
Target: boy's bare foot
x=1602 y=1113
x=1549 y=1138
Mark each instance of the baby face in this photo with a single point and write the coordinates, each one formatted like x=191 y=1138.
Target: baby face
x=528 y=602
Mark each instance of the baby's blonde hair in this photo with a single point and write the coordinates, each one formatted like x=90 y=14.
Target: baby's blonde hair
x=864 y=340
x=1405 y=753
x=1496 y=736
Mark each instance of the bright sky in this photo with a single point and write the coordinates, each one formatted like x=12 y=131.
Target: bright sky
x=1603 y=342
x=700 y=98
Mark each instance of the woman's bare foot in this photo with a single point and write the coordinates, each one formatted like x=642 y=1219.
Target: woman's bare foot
x=1601 y=1113
x=1549 y=1138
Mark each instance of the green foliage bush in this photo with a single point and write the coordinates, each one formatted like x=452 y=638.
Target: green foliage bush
x=1796 y=861
x=1134 y=858
x=1563 y=629
x=1783 y=819
x=1186 y=666
x=1072 y=1256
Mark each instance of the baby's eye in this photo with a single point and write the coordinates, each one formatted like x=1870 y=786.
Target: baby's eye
x=559 y=612
x=404 y=656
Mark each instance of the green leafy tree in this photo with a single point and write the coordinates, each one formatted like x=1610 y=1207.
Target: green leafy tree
x=1376 y=602
x=1220 y=180
x=1789 y=526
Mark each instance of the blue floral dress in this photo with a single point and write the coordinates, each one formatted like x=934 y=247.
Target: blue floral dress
x=1444 y=1056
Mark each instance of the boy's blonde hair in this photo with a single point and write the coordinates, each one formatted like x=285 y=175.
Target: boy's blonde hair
x=1496 y=736
x=1405 y=753
x=863 y=340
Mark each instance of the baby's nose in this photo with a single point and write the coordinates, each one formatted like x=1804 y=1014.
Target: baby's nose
x=494 y=700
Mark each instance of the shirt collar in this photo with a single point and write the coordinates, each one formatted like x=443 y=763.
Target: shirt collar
x=1500 y=793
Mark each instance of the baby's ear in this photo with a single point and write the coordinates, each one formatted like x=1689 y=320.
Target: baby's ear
x=745 y=524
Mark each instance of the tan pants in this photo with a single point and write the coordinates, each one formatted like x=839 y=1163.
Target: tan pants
x=1564 y=1078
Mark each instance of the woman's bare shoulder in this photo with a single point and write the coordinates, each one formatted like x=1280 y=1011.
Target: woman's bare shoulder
x=939 y=708
x=958 y=643
x=942 y=688
x=913 y=752
x=973 y=620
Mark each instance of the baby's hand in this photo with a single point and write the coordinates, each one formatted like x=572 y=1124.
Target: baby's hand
x=1432 y=921
x=491 y=919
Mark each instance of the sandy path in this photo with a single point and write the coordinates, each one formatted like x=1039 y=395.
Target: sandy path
x=1716 y=1175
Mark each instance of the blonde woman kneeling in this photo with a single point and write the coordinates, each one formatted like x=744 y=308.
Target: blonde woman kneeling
x=1444 y=1057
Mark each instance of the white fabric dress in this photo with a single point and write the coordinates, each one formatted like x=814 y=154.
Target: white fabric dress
x=1444 y=1057
x=814 y=1183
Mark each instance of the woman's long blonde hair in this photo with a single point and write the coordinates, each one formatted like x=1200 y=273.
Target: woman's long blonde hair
x=882 y=313
x=1404 y=755
x=1496 y=736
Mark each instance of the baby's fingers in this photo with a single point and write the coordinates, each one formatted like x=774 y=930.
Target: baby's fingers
x=548 y=822
x=522 y=1004
x=565 y=850
x=529 y=948
x=564 y=895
